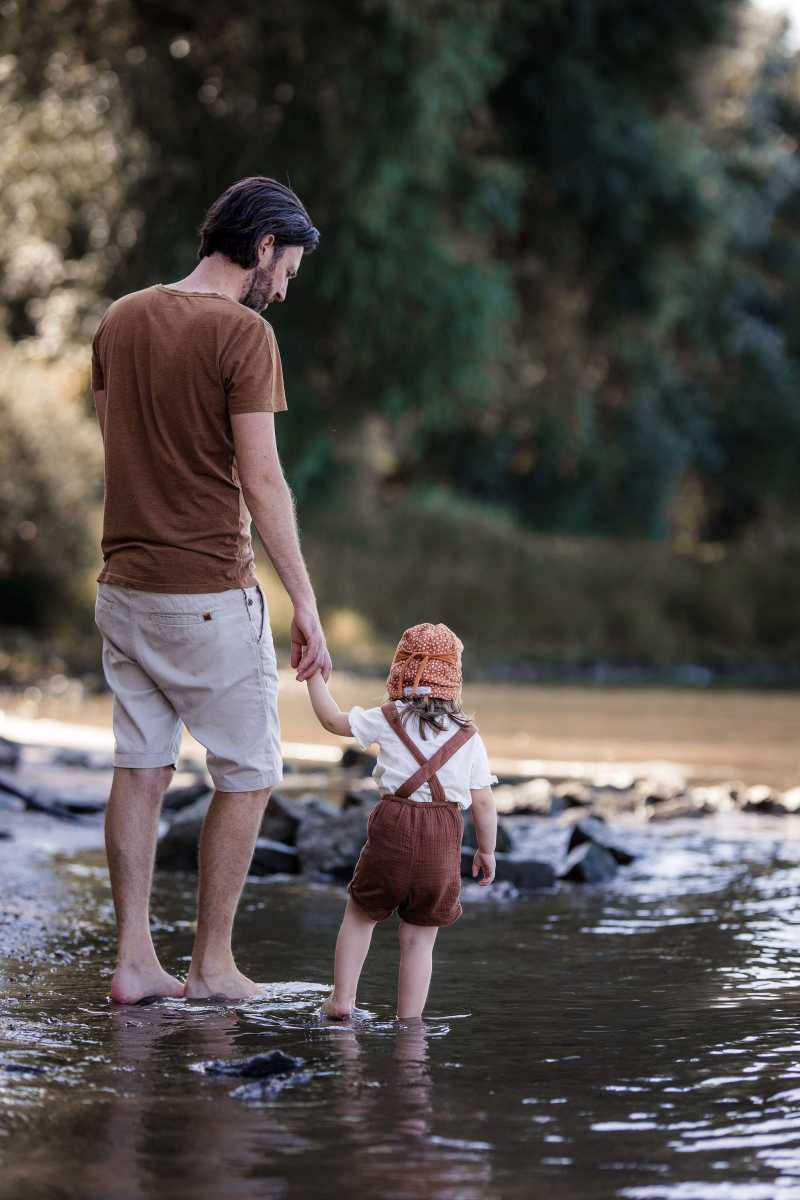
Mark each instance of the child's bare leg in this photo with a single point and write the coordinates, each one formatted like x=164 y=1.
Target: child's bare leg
x=416 y=964
x=352 y=945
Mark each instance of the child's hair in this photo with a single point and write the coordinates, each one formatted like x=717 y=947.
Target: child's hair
x=434 y=712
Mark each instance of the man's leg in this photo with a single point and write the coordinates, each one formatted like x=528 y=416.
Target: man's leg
x=226 y=849
x=131 y=831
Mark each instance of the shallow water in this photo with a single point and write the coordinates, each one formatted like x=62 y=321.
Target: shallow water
x=638 y=1040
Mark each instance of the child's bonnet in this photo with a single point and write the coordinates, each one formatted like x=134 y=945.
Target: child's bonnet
x=427 y=662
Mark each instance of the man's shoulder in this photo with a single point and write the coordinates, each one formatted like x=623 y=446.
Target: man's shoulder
x=129 y=303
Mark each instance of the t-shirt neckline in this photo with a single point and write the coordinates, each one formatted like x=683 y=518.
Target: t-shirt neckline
x=165 y=287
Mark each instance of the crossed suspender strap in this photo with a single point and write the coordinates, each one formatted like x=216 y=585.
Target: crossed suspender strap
x=428 y=766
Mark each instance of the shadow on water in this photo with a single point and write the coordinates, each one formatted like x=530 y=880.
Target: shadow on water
x=640 y=1040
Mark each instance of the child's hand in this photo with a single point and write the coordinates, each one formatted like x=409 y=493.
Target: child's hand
x=483 y=862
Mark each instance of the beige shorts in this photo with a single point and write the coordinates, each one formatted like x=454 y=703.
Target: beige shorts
x=203 y=660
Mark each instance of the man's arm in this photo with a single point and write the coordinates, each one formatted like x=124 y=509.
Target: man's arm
x=271 y=506
x=100 y=405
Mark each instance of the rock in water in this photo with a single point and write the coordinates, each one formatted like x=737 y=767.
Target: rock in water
x=570 y=794
x=589 y=863
x=761 y=798
x=274 y=858
x=591 y=829
x=524 y=873
x=282 y=819
x=177 y=849
x=353 y=757
x=329 y=844
x=258 y=1066
x=180 y=796
x=10 y=753
x=504 y=843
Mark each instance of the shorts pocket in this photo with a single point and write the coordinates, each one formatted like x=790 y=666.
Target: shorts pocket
x=171 y=620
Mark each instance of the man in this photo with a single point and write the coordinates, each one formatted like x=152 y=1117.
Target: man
x=187 y=378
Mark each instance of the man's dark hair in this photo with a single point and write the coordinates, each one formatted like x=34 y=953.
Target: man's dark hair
x=246 y=212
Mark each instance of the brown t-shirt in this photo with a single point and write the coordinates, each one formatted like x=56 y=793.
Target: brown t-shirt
x=174 y=367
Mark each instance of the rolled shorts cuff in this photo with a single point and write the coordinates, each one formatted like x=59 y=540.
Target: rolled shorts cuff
x=227 y=781
x=432 y=924
x=165 y=759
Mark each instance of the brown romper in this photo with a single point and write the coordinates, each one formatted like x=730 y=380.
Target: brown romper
x=412 y=858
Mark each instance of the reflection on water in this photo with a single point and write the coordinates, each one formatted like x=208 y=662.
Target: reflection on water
x=640 y=1040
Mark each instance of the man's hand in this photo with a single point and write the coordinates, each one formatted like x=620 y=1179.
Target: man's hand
x=309 y=651
x=483 y=862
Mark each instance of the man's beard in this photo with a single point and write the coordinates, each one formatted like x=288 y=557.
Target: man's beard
x=261 y=288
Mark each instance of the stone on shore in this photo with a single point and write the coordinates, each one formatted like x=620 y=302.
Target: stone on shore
x=589 y=863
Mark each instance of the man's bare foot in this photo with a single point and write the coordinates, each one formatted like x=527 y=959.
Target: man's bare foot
x=222 y=985
x=335 y=1010
x=131 y=985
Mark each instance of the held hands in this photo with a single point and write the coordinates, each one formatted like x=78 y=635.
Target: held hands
x=309 y=651
x=483 y=862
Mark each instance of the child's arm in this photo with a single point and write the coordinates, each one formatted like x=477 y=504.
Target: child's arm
x=484 y=815
x=328 y=713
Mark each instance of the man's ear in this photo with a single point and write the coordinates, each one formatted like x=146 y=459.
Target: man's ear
x=265 y=243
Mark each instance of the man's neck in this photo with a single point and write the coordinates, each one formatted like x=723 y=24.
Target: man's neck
x=215 y=273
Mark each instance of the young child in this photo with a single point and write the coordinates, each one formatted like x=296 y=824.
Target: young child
x=432 y=764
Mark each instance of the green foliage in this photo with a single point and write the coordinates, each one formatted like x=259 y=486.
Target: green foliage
x=50 y=460
x=560 y=257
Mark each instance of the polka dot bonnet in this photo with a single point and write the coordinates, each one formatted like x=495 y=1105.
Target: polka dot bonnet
x=427 y=662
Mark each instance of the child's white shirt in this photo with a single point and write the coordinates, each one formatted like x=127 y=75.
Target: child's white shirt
x=467 y=769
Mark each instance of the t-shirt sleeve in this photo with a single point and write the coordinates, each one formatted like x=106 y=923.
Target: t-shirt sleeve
x=252 y=374
x=480 y=775
x=367 y=724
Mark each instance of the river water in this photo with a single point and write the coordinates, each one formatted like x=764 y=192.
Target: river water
x=639 y=1039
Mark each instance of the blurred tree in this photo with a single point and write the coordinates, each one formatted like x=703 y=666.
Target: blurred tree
x=654 y=267
x=559 y=264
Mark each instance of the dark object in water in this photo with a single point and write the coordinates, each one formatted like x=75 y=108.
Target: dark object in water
x=282 y=819
x=5 y=833
x=527 y=874
x=10 y=753
x=589 y=863
x=352 y=757
x=274 y=858
x=178 y=798
x=259 y=1066
x=504 y=842
x=67 y=810
x=590 y=829
x=268 y=1089
x=17 y=1068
